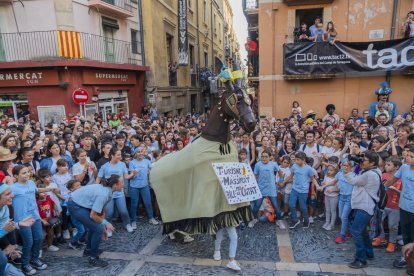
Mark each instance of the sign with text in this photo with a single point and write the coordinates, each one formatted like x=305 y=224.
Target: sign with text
x=28 y=78
x=182 y=33
x=348 y=57
x=238 y=182
x=109 y=77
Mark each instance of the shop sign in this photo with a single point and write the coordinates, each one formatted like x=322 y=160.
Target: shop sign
x=28 y=78
x=109 y=77
x=348 y=57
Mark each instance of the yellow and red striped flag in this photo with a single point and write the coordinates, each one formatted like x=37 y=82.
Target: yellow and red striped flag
x=69 y=44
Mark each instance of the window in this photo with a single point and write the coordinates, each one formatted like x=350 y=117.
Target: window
x=307 y=16
x=215 y=24
x=205 y=59
x=190 y=4
x=191 y=54
x=169 y=42
x=135 y=42
x=205 y=10
x=219 y=31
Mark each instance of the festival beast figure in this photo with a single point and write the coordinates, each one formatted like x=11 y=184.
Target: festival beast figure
x=188 y=191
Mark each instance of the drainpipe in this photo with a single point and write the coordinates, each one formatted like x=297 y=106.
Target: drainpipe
x=392 y=33
x=212 y=36
x=198 y=46
x=141 y=31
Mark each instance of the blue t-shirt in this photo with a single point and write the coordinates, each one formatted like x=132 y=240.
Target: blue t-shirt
x=140 y=180
x=24 y=201
x=94 y=196
x=302 y=177
x=344 y=187
x=109 y=169
x=407 y=193
x=266 y=177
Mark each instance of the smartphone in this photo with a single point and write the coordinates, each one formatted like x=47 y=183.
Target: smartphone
x=42 y=133
x=55 y=126
x=88 y=159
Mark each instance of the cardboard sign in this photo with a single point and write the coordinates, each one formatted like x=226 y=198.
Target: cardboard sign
x=238 y=182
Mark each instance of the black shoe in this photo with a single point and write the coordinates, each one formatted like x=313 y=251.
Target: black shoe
x=242 y=226
x=370 y=257
x=87 y=253
x=38 y=264
x=400 y=262
x=96 y=262
x=28 y=270
x=293 y=224
x=410 y=271
x=306 y=224
x=357 y=264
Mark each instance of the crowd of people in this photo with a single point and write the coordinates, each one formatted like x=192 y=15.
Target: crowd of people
x=64 y=184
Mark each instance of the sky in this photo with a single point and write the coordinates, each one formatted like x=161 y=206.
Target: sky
x=239 y=25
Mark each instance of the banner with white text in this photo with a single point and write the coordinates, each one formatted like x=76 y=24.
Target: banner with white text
x=182 y=33
x=238 y=182
x=348 y=57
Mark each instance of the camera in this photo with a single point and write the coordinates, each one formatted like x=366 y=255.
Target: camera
x=357 y=158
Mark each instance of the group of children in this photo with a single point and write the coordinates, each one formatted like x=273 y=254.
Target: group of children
x=295 y=179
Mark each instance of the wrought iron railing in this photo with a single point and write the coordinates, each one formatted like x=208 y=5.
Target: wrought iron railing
x=47 y=45
x=123 y=4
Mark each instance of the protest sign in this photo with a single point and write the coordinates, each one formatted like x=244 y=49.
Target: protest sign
x=238 y=182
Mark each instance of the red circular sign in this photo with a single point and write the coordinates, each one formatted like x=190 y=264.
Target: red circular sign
x=80 y=96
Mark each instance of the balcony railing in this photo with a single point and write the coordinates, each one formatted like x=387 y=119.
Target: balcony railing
x=116 y=8
x=48 y=45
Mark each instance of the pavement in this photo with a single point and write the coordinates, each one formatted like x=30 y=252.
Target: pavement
x=262 y=250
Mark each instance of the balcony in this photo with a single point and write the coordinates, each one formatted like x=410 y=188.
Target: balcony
x=306 y=2
x=250 y=7
x=62 y=45
x=115 y=8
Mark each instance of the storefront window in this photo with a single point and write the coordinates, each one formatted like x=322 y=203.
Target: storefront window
x=113 y=102
x=14 y=105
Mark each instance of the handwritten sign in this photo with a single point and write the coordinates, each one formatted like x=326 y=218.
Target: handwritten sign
x=238 y=182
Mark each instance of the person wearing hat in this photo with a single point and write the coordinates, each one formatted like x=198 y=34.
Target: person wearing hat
x=6 y=158
x=7 y=226
x=383 y=94
x=310 y=117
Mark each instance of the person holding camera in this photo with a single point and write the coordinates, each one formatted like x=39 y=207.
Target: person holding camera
x=364 y=199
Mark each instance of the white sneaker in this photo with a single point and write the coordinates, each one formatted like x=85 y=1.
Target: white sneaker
x=281 y=224
x=153 y=221
x=171 y=236
x=108 y=233
x=134 y=225
x=66 y=235
x=310 y=219
x=252 y=223
x=53 y=248
x=74 y=232
x=325 y=225
x=329 y=227
x=129 y=228
x=217 y=256
x=188 y=239
x=233 y=265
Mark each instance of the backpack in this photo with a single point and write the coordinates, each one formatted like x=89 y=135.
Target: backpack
x=382 y=194
x=317 y=147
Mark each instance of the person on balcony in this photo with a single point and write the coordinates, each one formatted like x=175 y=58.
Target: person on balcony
x=314 y=28
x=252 y=52
x=408 y=27
x=172 y=70
x=331 y=33
x=303 y=35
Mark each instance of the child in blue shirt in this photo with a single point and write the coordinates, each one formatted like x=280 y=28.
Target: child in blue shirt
x=302 y=175
x=265 y=171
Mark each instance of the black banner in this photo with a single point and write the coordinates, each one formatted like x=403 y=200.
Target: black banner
x=348 y=57
x=182 y=33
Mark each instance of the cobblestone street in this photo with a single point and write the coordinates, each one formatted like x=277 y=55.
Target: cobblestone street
x=263 y=250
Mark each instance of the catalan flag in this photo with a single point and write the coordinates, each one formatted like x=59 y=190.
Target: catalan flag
x=69 y=44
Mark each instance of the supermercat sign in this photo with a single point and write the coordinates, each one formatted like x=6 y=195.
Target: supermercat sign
x=348 y=57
